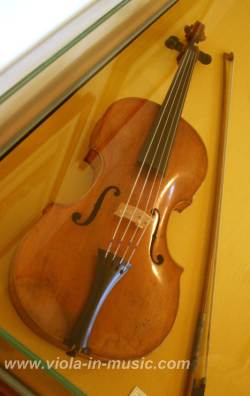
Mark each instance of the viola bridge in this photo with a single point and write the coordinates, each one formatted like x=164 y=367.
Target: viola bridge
x=135 y=215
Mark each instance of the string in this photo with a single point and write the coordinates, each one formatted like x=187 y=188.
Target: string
x=151 y=165
x=176 y=119
x=161 y=159
x=186 y=56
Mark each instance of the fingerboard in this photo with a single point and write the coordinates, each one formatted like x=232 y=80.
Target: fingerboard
x=157 y=147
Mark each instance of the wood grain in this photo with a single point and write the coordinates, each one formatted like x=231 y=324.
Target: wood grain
x=53 y=269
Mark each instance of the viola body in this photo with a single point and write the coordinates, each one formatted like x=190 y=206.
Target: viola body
x=53 y=270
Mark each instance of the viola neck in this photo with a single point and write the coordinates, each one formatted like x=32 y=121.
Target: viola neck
x=158 y=144
x=173 y=103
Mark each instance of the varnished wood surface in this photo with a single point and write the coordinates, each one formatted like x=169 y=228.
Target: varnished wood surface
x=145 y=69
x=53 y=269
x=5 y=390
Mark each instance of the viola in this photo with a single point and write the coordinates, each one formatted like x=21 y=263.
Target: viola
x=96 y=277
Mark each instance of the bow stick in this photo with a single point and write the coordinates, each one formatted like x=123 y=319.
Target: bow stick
x=196 y=379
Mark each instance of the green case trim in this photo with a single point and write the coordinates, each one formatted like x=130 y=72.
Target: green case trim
x=31 y=355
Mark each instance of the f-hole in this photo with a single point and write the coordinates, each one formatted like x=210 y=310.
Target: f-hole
x=158 y=259
x=77 y=217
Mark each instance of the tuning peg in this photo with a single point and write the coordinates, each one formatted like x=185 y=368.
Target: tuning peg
x=204 y=58
x=202 y=36
x=187 y=29
x=174 y=43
